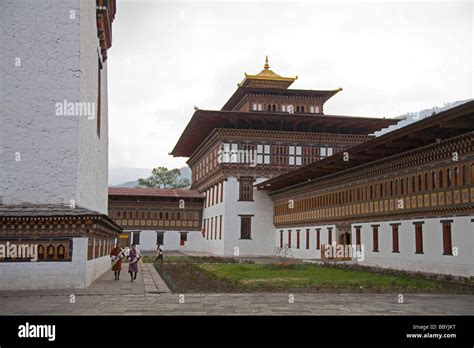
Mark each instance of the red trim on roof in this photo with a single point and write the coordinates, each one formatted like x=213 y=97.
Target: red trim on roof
x=129 y=191
x=203 y=122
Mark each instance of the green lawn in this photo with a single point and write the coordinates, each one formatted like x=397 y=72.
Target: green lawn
x=255 y=276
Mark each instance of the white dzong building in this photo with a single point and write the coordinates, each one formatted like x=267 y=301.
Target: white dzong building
x=54 y=142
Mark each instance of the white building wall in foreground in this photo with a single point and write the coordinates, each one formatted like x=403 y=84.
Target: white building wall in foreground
x=75 y=274
x=432 y=260
x=261 y=209
x=262 y=221
x=39 y=67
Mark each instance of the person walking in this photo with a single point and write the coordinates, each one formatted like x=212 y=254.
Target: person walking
x=116 y=256
x=134 y=257
x=159 y=254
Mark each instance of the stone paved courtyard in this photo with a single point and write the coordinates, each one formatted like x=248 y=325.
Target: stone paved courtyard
x=148 y=295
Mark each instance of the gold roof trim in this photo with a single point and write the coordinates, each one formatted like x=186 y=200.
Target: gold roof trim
x=269 y=75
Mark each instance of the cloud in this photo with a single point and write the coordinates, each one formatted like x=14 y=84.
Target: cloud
x=390 y=58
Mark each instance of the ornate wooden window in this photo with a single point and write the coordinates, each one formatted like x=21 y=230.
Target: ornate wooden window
x=323 y=152
x=440 y=179
x=418 y=238
x=448 y=177
x=263 y=154
x=245 y=227
x=456 y=176
x=294 y=155
x=279 y=155
x=246 y=189
x=447 y=240
x=395 y=244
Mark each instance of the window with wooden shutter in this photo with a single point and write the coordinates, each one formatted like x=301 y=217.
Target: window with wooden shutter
x=418 y=238
x=246 y=189
x=318 y=238
x=447 y=241
x=307 y=238
x=375 y=238
x=297 y=239
x=357 y=228
x=395 y=244
x=136 y=238
x=245 y=227
x=220 y=227
x=329 y=235
x=160 y=238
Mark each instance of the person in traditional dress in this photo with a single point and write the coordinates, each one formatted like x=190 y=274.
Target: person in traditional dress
x=116 y=256
x=134 y=257
x=159 y=254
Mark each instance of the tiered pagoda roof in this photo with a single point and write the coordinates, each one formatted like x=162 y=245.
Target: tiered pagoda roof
x=267 y=82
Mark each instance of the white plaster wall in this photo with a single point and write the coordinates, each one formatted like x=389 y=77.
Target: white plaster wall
x=230 y=209
x=47 y=42
x=61 y=157
x=92 y=181
x=302 y=252
x=432 y=260
x=96 y=267
x=262 y=221
x=171 y=240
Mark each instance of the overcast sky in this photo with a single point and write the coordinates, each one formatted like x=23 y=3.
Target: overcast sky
x=168 y=56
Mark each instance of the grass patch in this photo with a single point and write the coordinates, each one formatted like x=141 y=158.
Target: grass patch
x=217 y=275
x=189 y=278
x=253 y=277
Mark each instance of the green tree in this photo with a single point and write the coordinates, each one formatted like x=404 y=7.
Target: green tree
x=162 y=177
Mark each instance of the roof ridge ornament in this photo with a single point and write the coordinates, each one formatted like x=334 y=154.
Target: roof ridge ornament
x=266 y=66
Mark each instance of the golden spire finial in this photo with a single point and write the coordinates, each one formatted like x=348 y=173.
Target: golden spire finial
x=266 y=66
